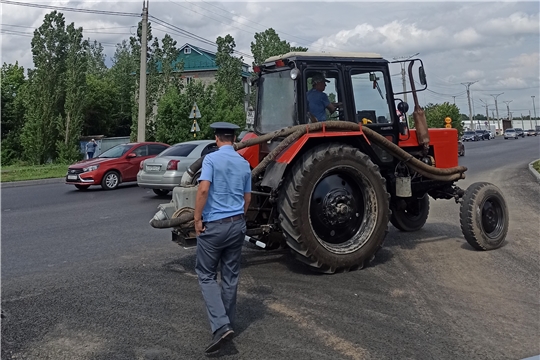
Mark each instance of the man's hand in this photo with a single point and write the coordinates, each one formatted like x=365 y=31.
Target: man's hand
x=199 y=228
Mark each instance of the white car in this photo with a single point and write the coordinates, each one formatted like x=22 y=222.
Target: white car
x=510 y=134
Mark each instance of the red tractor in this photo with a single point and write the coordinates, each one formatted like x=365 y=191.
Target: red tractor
x=328 y=189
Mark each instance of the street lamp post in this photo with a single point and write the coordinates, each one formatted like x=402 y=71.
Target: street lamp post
x=534 y=112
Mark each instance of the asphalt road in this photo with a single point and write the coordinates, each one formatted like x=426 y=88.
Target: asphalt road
x=84 y=276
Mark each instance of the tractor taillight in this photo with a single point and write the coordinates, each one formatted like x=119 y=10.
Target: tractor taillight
x=280 y=63
x=257 y=69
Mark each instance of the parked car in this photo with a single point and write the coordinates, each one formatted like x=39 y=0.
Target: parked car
x=113 y=167
x=470 y=136
x=510 y=134
x=491 y=134
x=460 y=148
x=520 y=132
x=531 y=132
x=164 y=172
x=483 y=134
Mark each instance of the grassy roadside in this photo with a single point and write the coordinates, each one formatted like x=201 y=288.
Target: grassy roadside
x=536 y=166
x=32 y=172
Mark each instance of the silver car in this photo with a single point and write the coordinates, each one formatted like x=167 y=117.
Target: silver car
x=510 y=134
x=164 y=172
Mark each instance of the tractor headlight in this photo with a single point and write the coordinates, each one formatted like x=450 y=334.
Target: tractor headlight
x=90 y=168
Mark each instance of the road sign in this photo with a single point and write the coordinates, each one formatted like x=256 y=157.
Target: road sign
x=195 y=113
x=195 y=127
x=447 y=125
x=448 y=120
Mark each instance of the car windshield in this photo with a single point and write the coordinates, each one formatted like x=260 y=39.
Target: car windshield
x=116 y=151
x=276 y=108
x=179 y=150
x=479 y=131
x=510 y=130
x=469 y=133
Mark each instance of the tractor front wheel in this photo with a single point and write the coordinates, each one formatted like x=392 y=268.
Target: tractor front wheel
x=334 y=209
x=484 y=216
x=412 y=216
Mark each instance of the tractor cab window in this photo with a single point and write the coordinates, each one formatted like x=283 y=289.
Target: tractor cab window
x=322 y=89
x=371 y=104
x=277 y=102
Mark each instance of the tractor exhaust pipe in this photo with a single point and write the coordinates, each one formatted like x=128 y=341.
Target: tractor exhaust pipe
x=420 y=121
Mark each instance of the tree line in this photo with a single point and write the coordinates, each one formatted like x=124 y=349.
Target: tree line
x=70 y=92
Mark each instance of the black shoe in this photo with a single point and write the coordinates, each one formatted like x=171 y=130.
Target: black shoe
x=222 y=334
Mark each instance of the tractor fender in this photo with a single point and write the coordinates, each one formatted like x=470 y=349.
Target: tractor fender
x=275 y=170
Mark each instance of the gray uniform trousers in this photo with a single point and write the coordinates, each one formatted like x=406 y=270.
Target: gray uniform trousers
x=221 y=241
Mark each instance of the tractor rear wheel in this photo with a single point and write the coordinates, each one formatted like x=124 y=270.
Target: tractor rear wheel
x=484 y=216
x=334 y=209
x=413 y=216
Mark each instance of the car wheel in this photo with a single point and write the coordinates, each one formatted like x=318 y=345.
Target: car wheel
x=160 y=192
x=110 y=181
x=82 y=187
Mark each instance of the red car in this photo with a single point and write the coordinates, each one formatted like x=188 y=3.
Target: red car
x=116 y=165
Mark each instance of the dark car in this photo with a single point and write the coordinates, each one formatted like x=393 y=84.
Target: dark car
x=520 y=132
x=116 y=165
x=531 y=132
x=483 y=134
x=470 y=136
x=460 y=148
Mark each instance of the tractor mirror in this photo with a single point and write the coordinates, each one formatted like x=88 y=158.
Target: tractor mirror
x=422 y=75
x=373 y=77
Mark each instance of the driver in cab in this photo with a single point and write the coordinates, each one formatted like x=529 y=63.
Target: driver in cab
x=318 y=101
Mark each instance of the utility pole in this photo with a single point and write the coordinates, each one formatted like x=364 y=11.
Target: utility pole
x=403 y=73
x=141 y=124
x=454 y=99
x=534 y=110
x=487 y=109
x=467 y=86
x=507 y=102
x=497 y=109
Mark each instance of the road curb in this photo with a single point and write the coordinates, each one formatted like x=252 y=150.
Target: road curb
x=533 y=171
x=13 y=184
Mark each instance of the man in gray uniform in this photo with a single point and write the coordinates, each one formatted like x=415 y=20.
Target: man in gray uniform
x=222 y=200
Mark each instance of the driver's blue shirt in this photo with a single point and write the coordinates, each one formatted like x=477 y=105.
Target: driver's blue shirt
x=230 y=177
x=317 y=103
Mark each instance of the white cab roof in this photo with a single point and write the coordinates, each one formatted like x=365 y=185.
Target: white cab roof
x=359 y=55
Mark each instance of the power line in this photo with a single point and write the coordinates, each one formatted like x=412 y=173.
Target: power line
x=191 y=35
x=65 y=8
x=256 y=23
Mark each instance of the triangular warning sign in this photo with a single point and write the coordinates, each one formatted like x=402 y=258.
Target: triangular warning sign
x=195 y=127
x=195 y=113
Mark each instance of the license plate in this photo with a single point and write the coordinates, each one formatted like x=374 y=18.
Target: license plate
x=72 y=177
x=153 y=167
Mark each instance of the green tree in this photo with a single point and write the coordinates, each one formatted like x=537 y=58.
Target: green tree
x=229 y=97
x=96 y=59
x=45 y=101
x=268 y=43
x=122 y=76
x=436 y=113
x=12 y=111
x=74 y=80
x=173 y=122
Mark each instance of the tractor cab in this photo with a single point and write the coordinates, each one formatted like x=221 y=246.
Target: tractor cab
x=359 y=82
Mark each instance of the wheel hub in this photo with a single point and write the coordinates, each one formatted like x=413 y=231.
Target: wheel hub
x=490 y=217
x=337 y=207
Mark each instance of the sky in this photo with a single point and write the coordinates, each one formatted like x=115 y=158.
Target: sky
x=493 y=44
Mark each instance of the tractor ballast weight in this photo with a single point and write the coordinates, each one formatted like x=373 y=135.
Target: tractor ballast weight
x=327 y=190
